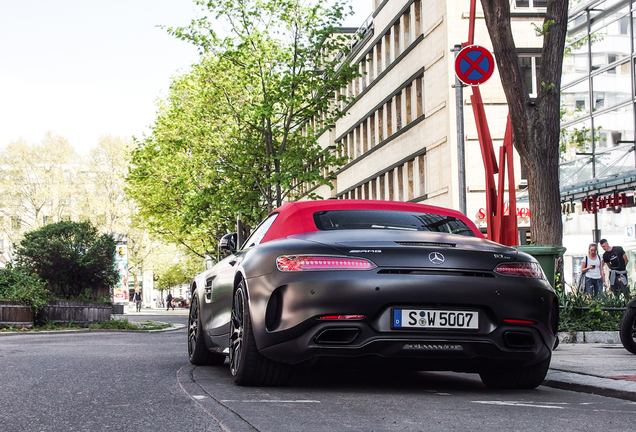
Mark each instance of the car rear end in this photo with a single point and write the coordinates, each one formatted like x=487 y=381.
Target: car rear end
x=428 y=300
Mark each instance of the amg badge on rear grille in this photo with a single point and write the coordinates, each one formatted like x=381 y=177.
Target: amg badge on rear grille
x=433 y=347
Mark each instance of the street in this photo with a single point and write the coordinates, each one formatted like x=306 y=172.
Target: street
x=116 y=381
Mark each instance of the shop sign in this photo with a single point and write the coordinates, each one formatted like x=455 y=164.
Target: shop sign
x=522 y=212
x=120 y=290
x=592 y=203
x=568 y=208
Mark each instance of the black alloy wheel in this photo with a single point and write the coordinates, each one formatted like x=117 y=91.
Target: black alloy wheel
x=236 y=331
x=247 y=366
x=197 y=350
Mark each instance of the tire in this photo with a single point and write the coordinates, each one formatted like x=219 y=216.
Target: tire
x=247 y=366
x=197 y=350
x=628 y=330
x=528 y=377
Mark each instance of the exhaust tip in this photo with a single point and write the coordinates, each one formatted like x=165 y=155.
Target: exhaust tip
x=518 y=340
x=339 y=336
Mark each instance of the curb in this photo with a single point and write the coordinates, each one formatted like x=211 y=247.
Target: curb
x=14 y=333
x=228 y=419
x=591 y=384
x=606 y=337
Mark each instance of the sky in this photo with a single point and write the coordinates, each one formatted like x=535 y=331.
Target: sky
x=85 y=68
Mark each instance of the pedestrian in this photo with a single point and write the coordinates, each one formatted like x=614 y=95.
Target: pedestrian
x=169 y=302
x=592 y=269
x=137 y=300
x=616 y=261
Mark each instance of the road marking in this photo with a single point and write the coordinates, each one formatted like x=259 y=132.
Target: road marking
x=513 y=403
x=270 y=401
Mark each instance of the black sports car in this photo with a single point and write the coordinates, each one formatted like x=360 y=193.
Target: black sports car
x=373 y=282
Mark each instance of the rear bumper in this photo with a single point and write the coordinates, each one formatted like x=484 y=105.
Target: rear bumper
x=285 y=312
x=424 y=352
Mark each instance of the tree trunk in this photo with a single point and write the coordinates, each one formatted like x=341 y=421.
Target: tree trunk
x=535 y=123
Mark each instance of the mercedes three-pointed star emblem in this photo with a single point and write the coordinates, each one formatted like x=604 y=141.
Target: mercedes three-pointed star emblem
x=436 y=258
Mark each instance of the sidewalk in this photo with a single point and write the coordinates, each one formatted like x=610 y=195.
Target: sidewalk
x=149 y=311
x=607 y=369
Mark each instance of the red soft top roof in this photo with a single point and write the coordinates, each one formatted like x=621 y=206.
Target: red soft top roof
x=297 y=217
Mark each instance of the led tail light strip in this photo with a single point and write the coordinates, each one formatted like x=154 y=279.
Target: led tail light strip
x=311 y=263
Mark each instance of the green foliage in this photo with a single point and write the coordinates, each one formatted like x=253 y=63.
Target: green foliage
x=19 y=286
x=577 y=139
x=70 y=256
x=547 y=87
x=238 y=133
x=53 y=325
x=545 y=27
x=113 y=324
x=124 y=324
x=184 y=179
x=572 y=44
x=582 y=312
x=178 y=274
x=37 y=181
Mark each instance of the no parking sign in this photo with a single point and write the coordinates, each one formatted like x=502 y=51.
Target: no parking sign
x=474 y=65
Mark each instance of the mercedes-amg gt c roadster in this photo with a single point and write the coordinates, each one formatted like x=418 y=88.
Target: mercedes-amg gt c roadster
x=355 y=282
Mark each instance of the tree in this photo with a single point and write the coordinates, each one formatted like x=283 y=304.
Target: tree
x=174 y=265
x=140 y=248
x=106 y=203
x=70 y=256
x=37 y=183
x=238 y=134
x=180 y=176
x=104 y=181
x=535 y=122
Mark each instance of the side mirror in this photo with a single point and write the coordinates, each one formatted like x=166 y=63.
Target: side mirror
x=228 y=242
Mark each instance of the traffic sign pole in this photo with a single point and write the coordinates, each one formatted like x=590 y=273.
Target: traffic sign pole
x=461 y=157
x=474 y=65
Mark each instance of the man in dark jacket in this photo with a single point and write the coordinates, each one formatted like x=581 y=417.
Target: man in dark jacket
x=616 y=259
x=169 y=302
x=137 y=300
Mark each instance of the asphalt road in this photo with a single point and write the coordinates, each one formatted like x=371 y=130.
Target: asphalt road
x=106 y=381
x=355 y=401
x=143 y=382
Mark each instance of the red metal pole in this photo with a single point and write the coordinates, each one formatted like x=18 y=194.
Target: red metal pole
x=490 y=164
x=471 y=24
x=501 y=228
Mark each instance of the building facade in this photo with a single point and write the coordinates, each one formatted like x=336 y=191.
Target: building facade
x=400 y=135
x=598 y=175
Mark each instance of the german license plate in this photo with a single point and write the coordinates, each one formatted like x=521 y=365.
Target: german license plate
x=435 y=319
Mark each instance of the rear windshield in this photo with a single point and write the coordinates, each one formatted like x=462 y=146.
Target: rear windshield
x=386 y=219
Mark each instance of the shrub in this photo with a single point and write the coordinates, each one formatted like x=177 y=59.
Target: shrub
x=70 y=256
x=582 y=312
x=17 y=286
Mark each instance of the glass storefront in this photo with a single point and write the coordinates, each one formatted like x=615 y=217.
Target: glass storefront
x=598 y=123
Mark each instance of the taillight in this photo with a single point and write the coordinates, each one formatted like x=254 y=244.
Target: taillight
x=517 y=321
x=341 y=317
x=308 y=263
x=523 y=269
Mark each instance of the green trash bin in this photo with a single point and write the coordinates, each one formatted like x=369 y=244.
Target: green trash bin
x=546 y=255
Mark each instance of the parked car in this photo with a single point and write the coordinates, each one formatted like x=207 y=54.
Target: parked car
x=352 y=282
